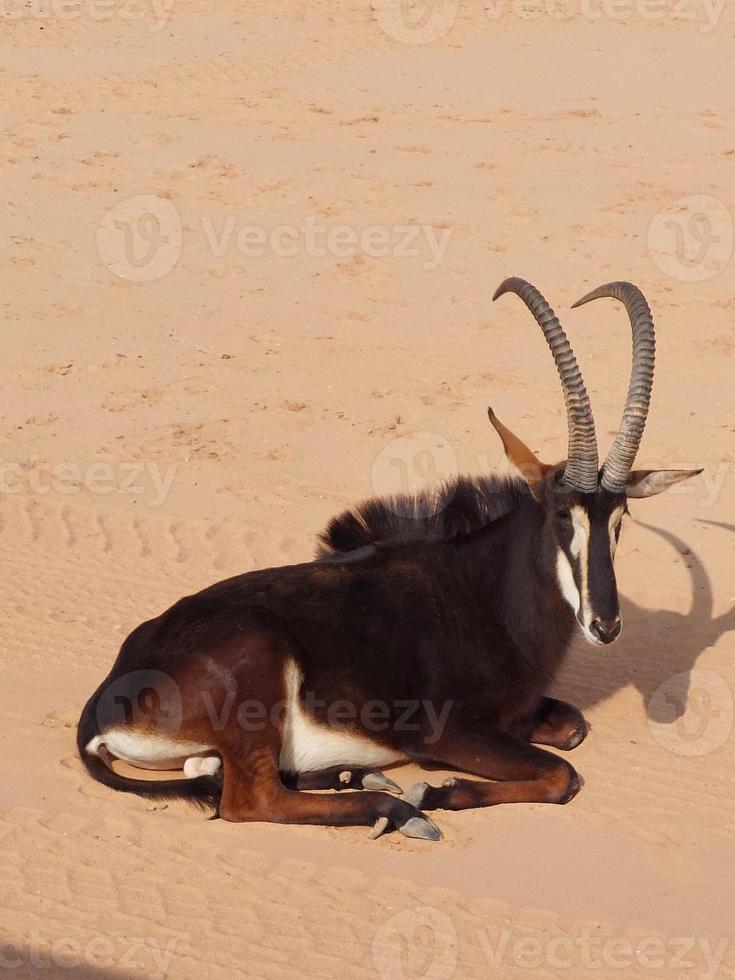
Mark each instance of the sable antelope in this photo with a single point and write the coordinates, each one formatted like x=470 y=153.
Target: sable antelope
x=428 y=628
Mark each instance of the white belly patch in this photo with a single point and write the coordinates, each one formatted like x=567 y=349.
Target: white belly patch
x=308 y=745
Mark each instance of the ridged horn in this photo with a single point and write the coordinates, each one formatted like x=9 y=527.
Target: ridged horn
x=582 y=469
x=623 y=451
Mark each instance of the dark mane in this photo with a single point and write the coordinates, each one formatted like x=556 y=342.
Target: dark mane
x=458 y=507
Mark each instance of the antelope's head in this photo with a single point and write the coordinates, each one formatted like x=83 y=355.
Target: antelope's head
x=582 y=504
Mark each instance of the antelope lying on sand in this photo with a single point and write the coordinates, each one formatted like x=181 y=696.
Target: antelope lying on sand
x=429 y=628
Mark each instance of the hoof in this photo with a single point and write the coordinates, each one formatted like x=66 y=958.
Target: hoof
x=422 y=828
x=377 y=781
x=577 y=736
x=416 y=794
x=575 y=786
x=379 y=828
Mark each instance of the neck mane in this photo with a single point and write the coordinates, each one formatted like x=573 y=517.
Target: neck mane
x=457 y=508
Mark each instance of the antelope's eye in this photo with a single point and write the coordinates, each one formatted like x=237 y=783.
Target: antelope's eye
x=563 y=515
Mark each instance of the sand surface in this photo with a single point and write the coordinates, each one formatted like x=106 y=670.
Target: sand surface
x=178 y=404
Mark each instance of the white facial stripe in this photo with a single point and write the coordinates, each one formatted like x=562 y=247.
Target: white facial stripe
x=581 y=530
x=566 y=581
x=582 y=533
x=579 y=547
x=617 y=515
x=578 y=595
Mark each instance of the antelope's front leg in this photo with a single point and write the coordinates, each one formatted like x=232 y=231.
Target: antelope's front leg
x=554 y=723
x=523 y=772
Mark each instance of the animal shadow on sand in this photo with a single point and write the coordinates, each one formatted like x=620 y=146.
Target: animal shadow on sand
x=656 y=646
x=25 y=964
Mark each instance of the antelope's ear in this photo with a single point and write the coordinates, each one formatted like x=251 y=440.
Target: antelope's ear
x=647 y=483
x=518 y=454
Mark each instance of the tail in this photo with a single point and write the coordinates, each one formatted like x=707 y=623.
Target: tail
x=202 y=791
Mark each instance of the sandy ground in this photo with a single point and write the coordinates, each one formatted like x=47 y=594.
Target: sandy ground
x=188 y=390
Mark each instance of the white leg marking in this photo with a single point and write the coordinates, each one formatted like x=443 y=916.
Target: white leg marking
x=309 y=745
x=206 y=765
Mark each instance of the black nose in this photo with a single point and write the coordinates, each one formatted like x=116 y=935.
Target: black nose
x=607 y=630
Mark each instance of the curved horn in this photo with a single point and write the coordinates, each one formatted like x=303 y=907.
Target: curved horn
x=623 y=451
x=582 y=467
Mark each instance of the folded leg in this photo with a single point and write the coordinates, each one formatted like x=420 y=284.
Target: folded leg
x=252 y=790
x=524 y=773
x=554 y=723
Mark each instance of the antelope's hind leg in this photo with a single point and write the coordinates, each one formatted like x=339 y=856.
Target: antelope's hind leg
x=341 y=777
x=525 y=773
x=554 y=723
x=252 y=790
